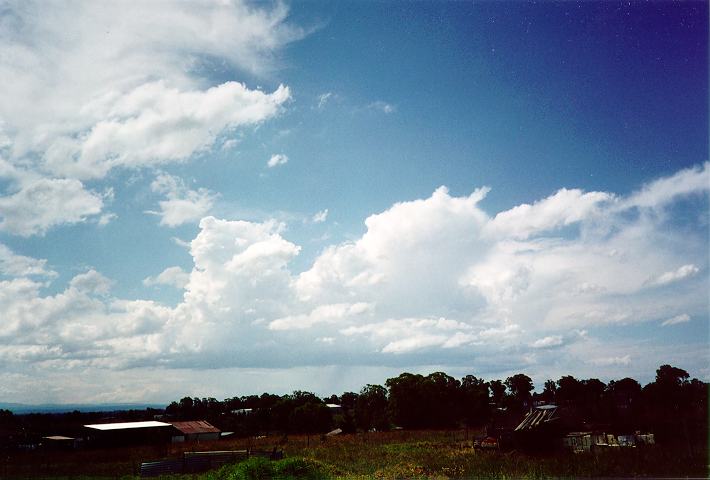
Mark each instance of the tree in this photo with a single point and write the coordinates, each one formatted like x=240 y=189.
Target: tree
x=569 y=390
x=371 y=408
x=626 y=389
x=299 y=397
x=520 y=386
x=185 y=408
x=311 y=418
x=549 y=392
x=497 y=391
x=406 y=393
x=348 y=400
x=671 y=377
x=346 y=422
x=440 y=400
x=474 y=401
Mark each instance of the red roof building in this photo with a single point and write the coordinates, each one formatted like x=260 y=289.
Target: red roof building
x=195 y=430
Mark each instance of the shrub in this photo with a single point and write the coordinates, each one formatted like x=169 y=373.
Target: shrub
x=253 y=469
x=300 y=468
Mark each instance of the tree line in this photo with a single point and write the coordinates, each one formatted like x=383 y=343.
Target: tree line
x=672 y=402
x=673 y=406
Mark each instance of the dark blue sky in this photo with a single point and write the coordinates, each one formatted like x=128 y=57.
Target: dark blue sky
x=524 y=97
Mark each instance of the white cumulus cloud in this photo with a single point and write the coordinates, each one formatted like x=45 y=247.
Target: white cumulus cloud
x=91 y=87
x=563 y=208
x=322 y=314
x=426 y=284
x=182 y=204
x=14 y=265
x=173 y=276
x=156 y=124
x=47 y=203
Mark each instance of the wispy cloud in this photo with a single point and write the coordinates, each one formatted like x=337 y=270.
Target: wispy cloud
x=320 y=217
x=683 y=318
x=323 y=99
x=382 y=106
x=681 y=273
x=612 y=361
x=276 y=160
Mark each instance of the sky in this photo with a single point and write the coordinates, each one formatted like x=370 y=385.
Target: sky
x=223 y=198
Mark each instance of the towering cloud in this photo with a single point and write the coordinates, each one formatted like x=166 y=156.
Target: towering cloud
x=430 y=278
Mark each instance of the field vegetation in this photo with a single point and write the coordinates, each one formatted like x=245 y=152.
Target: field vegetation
x=376 y=455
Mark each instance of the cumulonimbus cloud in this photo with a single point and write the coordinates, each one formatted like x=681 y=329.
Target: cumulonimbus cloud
x=428 y=280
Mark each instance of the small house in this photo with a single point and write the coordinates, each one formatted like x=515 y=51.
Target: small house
x=194 y=431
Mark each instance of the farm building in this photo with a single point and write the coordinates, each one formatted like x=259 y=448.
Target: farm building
x=540 y=429
x=194 y=431
x=334 y=408
x=537 y=417
x=60 y=442
x=129 y=433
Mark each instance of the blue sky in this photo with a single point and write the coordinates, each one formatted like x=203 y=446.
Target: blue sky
x=249 y=197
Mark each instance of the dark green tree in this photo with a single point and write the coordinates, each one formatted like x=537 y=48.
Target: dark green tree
x=520 y=387
x=569 y=390
x=311 y=418
x=348 y=400
x=671 y=377
x=497 y=388
x=406 y=393
x=441 y=400
x=371 y=408
x=549 y=392
x=474 y=401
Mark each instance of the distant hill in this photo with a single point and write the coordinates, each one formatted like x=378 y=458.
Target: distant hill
x=22 y=408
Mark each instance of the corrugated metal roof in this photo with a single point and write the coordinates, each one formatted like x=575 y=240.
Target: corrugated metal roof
x=127 y=425
x=537 y=417
x=195 y=426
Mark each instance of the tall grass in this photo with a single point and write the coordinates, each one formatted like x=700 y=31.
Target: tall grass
x=404 y=455
x=381 y=455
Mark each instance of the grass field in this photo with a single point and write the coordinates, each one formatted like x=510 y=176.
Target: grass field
x=400 y=454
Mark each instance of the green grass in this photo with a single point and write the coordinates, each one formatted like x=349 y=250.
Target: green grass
x=262 y=469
